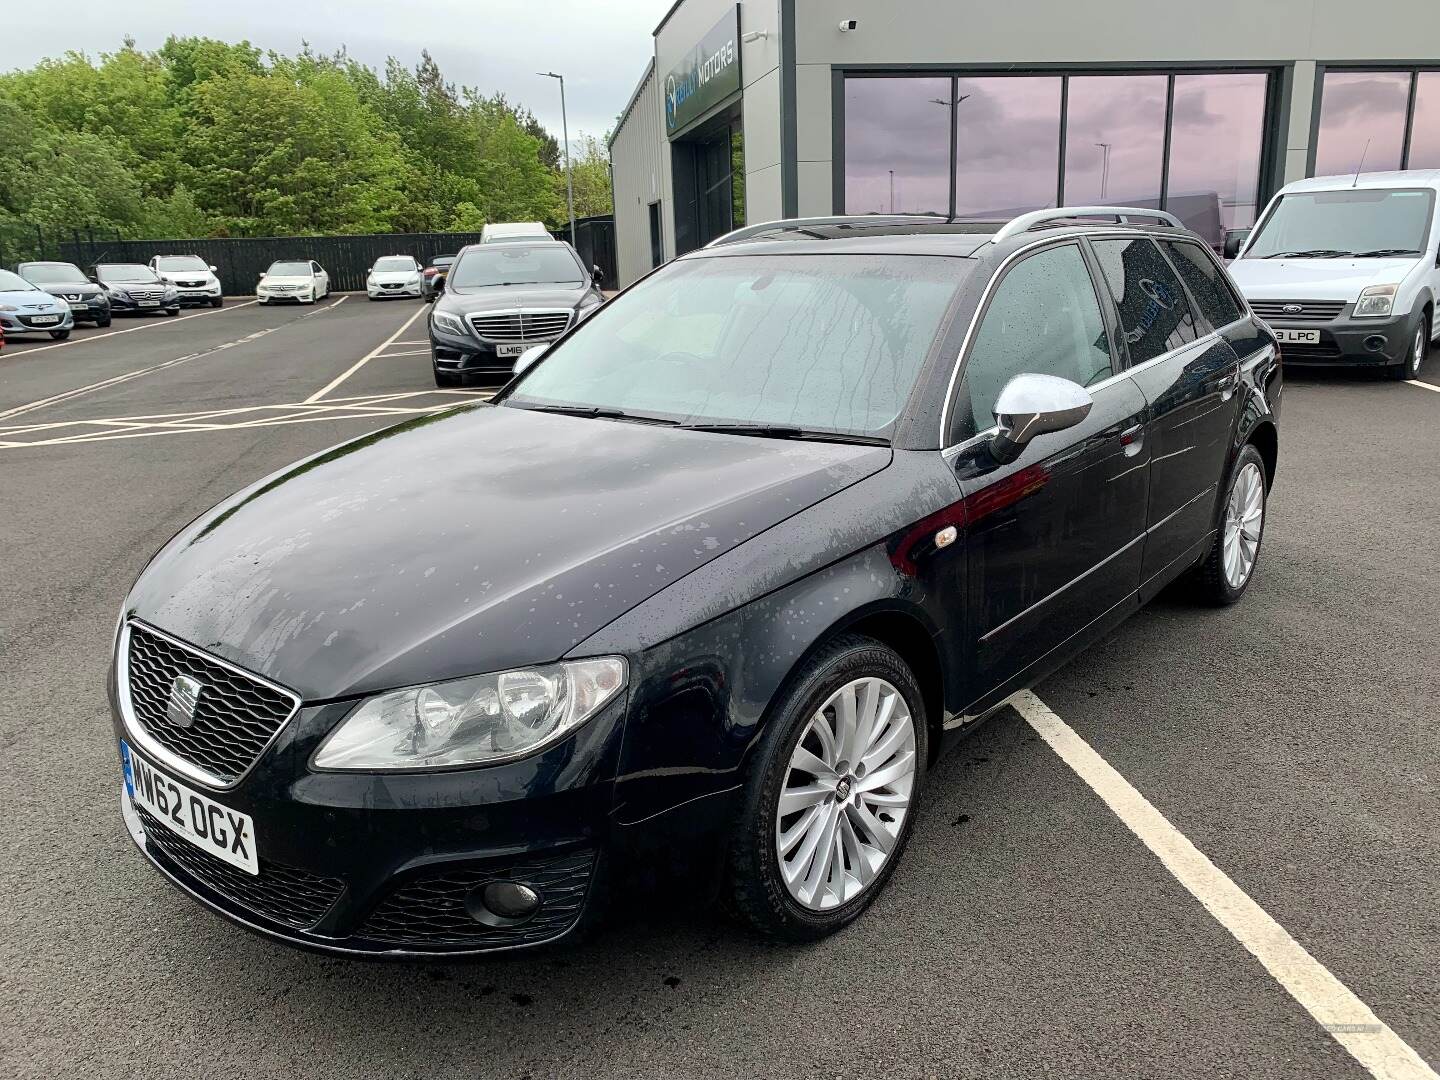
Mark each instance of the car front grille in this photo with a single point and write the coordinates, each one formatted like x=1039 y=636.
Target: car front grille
x=1324 y=352
x=430 y=911
x=1310 y=310
x=521 y=326
x=281 y=894
x=235 y=718
x=145 y=294
x=191 y=284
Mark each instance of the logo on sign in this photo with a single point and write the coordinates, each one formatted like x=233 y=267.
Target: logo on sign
x=1292 y=309
x=184 y=696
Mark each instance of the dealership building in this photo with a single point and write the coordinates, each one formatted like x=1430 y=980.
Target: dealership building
x=767 y=109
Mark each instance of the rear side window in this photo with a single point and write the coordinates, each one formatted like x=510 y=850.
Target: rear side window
x=1207 y=282
x=1044 y=319
x=1154 y=313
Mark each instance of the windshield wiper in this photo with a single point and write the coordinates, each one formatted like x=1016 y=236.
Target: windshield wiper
x=596 y=412
x=1318 y=253
x=1380 y=253
x=782 y=431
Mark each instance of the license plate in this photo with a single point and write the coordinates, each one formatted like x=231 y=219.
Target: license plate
x=78 y=305
x=44 y=320
x=211 y=826
x=517 y=349
x=1298 y=337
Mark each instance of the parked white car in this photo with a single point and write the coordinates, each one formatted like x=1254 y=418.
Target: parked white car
x=1346 y=270
x=395 y=275
x=303 y=281
x=514 y=232
x=194 y=279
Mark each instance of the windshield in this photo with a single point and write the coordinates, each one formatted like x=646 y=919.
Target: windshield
x=549 y=265
x=824 y=343
x=289 y=269
x=395 y=264
x=14 y=283
x=181 y=262
x=1354 y=221
x=125 y=272
x=55 y=274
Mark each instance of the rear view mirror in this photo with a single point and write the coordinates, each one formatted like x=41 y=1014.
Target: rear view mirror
x=1033 y=405
x=262 y=275
x=1234 y=241
x=213 y=270
x=528 y=357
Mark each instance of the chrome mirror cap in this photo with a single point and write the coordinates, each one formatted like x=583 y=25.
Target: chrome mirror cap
x=1031 y=405
x=528 y=357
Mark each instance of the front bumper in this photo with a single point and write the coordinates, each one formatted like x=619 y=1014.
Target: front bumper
x=376 y=292
x=13 y=323
x=468 y=354
x=383 y=864
x=1346 y=341
x=199 y=297
x=127 y=304
x=303 y=296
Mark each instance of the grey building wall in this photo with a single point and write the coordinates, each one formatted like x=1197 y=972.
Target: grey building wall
x=637 y=165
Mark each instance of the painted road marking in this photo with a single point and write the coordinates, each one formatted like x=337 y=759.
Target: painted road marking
x=333 y=383
x=128 y=329
x=410 y=352
x=1424 y=385
x=1348 y=1019
x=393 y=405
x=79 y=391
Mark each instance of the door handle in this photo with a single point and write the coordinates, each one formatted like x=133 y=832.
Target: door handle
x=1133 y=439
x=1229 y=384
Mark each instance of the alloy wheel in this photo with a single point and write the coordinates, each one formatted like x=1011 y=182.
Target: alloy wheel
x=1417 y=353
x=1244 y=517
x=845 y=795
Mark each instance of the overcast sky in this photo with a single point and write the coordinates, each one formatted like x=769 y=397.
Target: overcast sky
x=600 y=46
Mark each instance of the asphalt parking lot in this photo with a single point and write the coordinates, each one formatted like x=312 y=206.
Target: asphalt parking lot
x=1029 y=931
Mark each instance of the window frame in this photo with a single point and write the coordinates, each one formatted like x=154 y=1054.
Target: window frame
x=1412 y=68
x=1240 y=303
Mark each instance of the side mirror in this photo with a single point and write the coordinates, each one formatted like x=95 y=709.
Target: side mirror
x=1234 y=241
x=213 y=270
x=528 y=357
x=262 y=275
x=1033 y=405
x=597 y=274
x=439 y=283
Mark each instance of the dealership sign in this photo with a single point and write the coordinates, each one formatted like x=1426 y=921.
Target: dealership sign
x=709 y=75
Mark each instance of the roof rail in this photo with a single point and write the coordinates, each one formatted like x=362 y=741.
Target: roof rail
x=747 y=231
x=1122 y=215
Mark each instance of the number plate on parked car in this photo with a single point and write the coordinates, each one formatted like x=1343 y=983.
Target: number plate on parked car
x=516 y=350
x=211 y=826
x=1298 y=337
x=149 y=303
x=44 y=320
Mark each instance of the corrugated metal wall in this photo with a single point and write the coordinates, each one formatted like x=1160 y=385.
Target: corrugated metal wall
x=636 y=155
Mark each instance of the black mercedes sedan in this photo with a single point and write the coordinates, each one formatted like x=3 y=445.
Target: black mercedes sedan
x=499 y=300
x=714 y=575
x=88 y=301
x=135 y=288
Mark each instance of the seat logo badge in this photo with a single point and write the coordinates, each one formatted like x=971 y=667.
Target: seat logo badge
x=184 y=696
x=1292 y=309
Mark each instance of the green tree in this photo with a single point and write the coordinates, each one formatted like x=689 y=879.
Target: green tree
x=591 y=162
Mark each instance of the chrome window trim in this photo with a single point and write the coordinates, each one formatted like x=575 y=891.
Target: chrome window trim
x=142 y=740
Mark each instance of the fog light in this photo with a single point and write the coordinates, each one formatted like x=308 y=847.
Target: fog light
x=502 y=903
x=1375 y=343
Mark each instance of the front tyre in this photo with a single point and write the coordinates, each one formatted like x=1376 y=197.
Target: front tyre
x=1227 y=570
x=832 y=793
x=59 y=335
x=1415 y=356
x=218 y=301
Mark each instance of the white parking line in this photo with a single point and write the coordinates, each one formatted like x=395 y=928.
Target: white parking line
x=408 y=352
x=1348 y=1019
x=1425 y=385
x=130 y=329
x=333 y=383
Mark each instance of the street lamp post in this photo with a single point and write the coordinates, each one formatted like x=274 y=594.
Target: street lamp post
x=1104 y=168
x=569 y=173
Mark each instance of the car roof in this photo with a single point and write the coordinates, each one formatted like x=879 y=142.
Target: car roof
x=1413 y=178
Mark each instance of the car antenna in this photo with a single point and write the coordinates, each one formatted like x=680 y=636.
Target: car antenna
x=1356 y=182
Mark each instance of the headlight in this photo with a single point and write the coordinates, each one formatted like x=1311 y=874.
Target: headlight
x=414 y=280
x=8 y=307
x=171 y=294
x=476 y=721
x=446 y=321
x=1374 y=301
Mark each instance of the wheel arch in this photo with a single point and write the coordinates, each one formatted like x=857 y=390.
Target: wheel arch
x=1265 y=437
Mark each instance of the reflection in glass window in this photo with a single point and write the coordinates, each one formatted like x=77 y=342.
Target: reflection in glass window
x=1115 y=140
x=1425 y=129
x=1206 y=281
x=1044 y=319
x=1154 y=313
x=1007 y=145
x=1362 y=114
x=897 y=145
x=1216 y=135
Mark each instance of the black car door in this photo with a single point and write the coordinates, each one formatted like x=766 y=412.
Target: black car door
x=1054 y=538
x=1190 y=377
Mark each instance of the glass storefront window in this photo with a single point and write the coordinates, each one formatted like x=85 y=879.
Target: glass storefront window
x=1216 y=136
x=1362 y=114
x=897 y=145
x=1115 y=140
x=1425 y=127
x=1007 y=145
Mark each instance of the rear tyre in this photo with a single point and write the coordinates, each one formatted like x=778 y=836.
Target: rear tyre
x=59 y=335
x=831 y=795
x=1226 y=572
x=447 y=378
x=1415 y=357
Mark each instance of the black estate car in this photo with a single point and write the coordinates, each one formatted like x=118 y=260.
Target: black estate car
x=499 y=300
x=716 y=573
x=87 y=300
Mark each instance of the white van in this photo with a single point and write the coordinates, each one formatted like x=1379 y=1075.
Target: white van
x=1346 y=270
x=514 y=232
